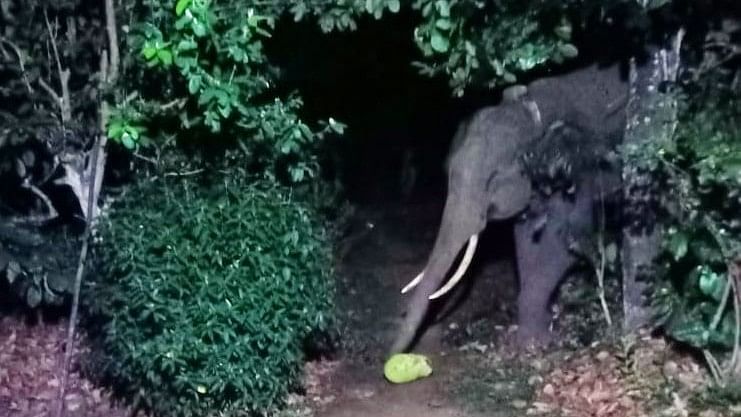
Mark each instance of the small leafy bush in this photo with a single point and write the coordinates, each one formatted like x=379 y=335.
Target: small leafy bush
x=697 y=302
x=207 y=293
x=703 y=231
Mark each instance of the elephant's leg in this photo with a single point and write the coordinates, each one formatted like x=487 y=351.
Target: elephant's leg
x=543 y=259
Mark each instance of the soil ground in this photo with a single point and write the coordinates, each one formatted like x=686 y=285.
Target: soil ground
x=380 y=260
x=476 y=370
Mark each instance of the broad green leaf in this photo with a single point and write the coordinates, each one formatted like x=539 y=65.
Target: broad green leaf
x=297 y=174
x=181 y=6
x=115 y=130
x=439 y=42
x=194 y=84
x=443 y=24
x=305 y=131
x=427 y=9
x=678 y=244
x=336 y=127
x=253 y=20
x=183 y=21
x=185 y=62
x=165 y=56
x=149 y=52
x=199 y=29
x=127 y=142
x=298 y=10
x=712 y=284
x=133 y=132
x=187 y=44
x=443 y=7
x=225 y=111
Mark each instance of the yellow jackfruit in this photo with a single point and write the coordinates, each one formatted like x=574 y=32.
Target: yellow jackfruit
x=406 y=367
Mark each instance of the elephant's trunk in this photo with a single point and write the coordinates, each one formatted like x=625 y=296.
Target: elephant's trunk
x=456 y=229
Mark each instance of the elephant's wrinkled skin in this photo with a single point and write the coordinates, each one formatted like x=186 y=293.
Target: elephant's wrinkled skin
x=487 y=181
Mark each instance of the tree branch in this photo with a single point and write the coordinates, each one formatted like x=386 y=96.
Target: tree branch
x=69 y=345
x=22 y=64
x=113 y=51
x=65 y=107
x=108 y=75
x=51 y=92
x=51 y=211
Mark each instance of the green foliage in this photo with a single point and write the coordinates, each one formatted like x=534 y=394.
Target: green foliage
x=207 y=293
x=32 y=81
x=201 y=65
x=341 y=14
x=476 y=42
x=491 y=42
x=470 y=41
x=703 y=230
x=121 y=128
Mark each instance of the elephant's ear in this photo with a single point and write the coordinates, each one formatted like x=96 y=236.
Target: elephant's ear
x=509 y=193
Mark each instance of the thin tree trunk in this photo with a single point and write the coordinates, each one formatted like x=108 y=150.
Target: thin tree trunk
x=651 y=116
x=109 y=64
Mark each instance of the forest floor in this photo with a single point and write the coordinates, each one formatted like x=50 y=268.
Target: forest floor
x=476 y=369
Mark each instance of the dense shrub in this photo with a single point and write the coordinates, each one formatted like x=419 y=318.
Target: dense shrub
x=207 y=293
x=697 y=301
x=703 y=230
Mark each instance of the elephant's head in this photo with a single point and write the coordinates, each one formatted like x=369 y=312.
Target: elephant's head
x=485 y=182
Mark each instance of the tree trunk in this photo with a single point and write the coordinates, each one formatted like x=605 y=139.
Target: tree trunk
x=651 y=120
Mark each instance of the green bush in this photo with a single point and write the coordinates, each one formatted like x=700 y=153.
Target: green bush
x=703 y=231
x=207 y=293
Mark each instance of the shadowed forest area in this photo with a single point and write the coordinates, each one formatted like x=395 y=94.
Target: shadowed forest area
x=445 y=208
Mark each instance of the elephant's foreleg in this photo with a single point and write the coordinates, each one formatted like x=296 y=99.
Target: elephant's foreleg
x=543 y=259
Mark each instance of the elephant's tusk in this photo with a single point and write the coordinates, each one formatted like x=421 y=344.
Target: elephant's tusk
x=413 y=283
x=465 y=262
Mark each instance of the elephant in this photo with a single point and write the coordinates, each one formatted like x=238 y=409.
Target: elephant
x=491 y=177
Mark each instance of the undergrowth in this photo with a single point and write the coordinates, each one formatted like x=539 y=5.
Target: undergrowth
x=207 y=293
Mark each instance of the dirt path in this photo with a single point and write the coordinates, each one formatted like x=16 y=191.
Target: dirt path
x=379 y=261
x=476 y=373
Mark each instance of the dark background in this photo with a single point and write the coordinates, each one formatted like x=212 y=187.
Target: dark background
x=365 y=79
